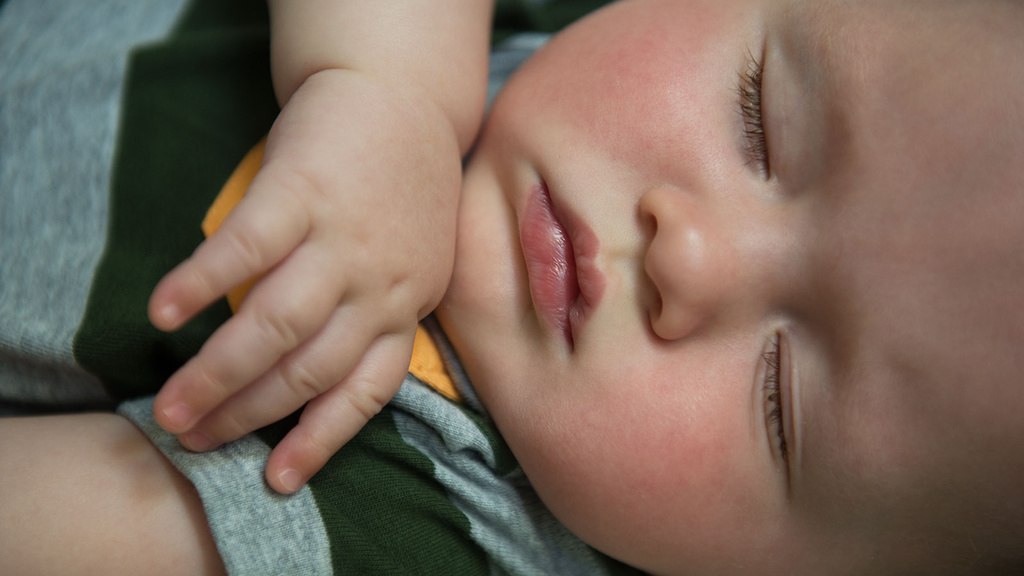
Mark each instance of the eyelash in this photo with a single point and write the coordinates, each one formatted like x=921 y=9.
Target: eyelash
x=772 y=379
x=756 y=144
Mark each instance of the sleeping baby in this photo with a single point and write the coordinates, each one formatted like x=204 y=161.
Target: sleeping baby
x=734 y=289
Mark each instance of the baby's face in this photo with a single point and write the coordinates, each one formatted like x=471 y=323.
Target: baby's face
x=634 y=280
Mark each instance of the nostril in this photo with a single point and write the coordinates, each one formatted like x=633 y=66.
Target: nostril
x=685 y=275
x=655 y=307
x=648 y=215
x=648 y=224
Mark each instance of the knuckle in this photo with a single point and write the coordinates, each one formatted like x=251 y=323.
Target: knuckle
x=301 y=381
x=365 y=401
x=300 y=183
x=317 y=444
x=230 y=425
x=277 y=329
x=200 y=279
x=215 y=386
x=244 y=249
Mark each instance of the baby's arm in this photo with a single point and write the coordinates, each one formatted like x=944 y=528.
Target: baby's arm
x=351 y=219
x=89 y=494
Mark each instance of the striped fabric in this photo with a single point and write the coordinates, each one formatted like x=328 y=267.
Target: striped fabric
x=120 y=120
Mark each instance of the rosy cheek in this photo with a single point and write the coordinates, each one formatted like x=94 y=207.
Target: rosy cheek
x=627 y=469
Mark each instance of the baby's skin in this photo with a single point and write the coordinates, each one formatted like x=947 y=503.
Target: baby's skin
x=740 y=283
x=350 y=222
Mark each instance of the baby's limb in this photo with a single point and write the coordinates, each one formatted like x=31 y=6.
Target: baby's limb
x=89 y=494
x=351 y=218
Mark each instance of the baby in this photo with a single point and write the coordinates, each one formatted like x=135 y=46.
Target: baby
x=738 y=283
x=786 y=335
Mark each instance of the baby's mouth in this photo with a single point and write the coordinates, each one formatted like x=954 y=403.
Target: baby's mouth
x=551 y=263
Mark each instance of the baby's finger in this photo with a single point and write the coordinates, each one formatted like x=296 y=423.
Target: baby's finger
x=332 y=419
x=267 y=225
x=321 y=362
x=283 y=310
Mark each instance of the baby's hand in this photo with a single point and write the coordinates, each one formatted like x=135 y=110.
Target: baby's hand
x=352 y=220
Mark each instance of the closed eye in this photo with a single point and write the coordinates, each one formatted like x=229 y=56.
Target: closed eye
x=754 y=138
x=773 y=397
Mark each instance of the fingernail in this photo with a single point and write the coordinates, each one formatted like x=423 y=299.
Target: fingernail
x=178 y=416
x=196 y=441
x=170 y=313
x=290 y=480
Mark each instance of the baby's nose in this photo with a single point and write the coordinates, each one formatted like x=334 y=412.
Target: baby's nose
x=689 y=260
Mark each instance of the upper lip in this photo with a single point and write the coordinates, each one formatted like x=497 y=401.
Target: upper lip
x=561 y=256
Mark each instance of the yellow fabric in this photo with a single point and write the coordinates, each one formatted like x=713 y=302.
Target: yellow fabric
x=426 y=363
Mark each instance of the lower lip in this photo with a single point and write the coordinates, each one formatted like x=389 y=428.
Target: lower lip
x=551 y=252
